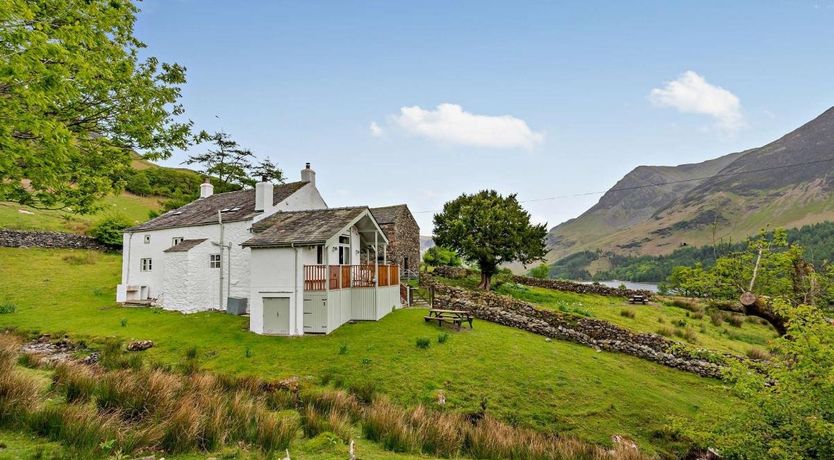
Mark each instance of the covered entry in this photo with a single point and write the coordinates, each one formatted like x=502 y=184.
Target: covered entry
x=276 y=311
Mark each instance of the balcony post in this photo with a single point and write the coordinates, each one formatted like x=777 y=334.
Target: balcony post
x=326 y=270
x=376 y=260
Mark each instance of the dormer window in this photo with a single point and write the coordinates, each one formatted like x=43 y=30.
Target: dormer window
x=176 y=240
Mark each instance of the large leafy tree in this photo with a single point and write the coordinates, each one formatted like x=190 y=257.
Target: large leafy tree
x=787 y=411
x=76 y=101
x=488 y=229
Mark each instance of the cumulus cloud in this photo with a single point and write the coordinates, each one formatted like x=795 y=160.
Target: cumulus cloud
x=376 y=130
x=692 y=93
x=449 y=123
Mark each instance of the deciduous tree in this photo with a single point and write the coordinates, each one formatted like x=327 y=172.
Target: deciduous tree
x=488 y=229
x=76 y=101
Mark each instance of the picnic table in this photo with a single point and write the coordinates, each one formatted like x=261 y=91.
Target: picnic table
x=455 y=317
x=638 y=298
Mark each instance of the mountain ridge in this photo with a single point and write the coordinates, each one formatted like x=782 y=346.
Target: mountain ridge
x=787 y=182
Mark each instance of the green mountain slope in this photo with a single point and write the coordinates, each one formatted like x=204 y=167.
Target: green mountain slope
x=786 y=183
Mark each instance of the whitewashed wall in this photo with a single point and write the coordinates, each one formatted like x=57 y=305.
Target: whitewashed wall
x=277 y=273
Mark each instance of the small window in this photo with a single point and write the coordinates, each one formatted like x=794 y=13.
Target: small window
x=176 y=240
x=146 y=264
x=214 y=261
x=319 y=255
x=147 y=239
x=344 y=240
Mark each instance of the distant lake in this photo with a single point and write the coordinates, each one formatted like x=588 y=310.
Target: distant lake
x=628 y=284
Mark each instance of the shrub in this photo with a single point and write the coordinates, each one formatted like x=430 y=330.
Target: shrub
x=717 y=318
x=627 y=314
x=679 y=322
x=76 y=382
x=442 y=338
x=110 y=230
x=81 y=258
x=736 y=320
x=665 y=331
x=18 y=393
x=423 y=343
x=758 y=354
x=343 y=349
x=7 y=307
x=364 y=391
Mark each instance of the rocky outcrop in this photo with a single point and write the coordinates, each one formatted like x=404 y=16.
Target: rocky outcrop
x=581 y=288
x=21 y=239
x=595 y=333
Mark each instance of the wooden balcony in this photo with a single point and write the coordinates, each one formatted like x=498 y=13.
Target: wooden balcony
x=333 y=277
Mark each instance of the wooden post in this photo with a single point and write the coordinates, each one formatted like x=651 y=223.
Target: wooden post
x=376 y=260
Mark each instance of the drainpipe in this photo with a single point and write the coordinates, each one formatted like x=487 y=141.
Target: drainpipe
x=129 y=247
x=294 y=322
x=220 y=288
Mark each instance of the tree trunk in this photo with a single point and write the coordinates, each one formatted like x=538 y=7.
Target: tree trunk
x=760 y=308
x=485 y=281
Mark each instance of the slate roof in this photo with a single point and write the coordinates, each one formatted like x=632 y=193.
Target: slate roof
x=203 y=211
x=301 y=227
x=185 y=245
x=387 y=214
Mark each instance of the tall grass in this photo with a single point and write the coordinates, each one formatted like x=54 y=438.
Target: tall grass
x=18 y=394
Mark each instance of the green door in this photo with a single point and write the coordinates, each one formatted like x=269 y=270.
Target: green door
x=277 y=315
x=315 y=314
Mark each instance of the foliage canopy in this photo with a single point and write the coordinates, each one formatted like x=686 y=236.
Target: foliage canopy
x=77 y=101
x=488 y=229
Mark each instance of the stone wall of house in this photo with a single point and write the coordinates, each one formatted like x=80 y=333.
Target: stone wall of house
x=403 y=241
x=599 y=334
x=23 y=239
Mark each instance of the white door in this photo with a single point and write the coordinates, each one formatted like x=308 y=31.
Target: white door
x=315 y=314
x=277 y=315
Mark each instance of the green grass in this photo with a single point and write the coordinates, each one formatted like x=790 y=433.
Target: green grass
x=135 y=208
x=554 y=386
x=648 y=318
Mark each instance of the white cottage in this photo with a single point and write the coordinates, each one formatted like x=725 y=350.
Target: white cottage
x=277 y=251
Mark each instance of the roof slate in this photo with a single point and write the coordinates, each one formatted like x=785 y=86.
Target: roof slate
x=203 y=211
x=185 y=245
x=387 y=214
x=302 y=227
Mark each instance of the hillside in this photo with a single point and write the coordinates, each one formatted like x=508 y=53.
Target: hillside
x=147 y=190
x=786 y=183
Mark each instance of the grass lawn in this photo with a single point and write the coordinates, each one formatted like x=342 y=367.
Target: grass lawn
x=134 y=207
x=647 y=318
x=557 y=385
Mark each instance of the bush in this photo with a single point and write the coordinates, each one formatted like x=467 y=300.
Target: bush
x=442 y=338
x=736 y=320
x=437 y=256
x=423 y=343
x=541 y=272
x=109 y=231
x=627 y=314
x=7 y=307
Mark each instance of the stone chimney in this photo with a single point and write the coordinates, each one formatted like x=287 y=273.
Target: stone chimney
x=206 y=189
x=263 y=194
x=308 y=175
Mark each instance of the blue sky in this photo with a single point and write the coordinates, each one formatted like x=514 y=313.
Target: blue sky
x=417 y=102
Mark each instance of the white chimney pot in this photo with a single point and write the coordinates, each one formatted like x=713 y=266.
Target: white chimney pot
x=308 y=175
x=263 y=195
x=206 y=189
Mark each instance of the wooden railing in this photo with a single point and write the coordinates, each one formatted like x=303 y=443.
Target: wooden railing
x=321 y=277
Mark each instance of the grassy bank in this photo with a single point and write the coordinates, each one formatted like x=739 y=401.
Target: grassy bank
x=552 y=386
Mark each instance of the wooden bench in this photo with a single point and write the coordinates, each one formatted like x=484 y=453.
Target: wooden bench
x=455 y=317
x=638 y=298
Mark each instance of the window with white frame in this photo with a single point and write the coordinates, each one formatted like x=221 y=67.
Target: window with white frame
x=146 y=264
x=214 y=261
x=176 y=240
x=147 y=239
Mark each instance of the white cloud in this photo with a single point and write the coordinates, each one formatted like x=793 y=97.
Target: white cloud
x=376 y=130
x=691 y=93
x=449 y=123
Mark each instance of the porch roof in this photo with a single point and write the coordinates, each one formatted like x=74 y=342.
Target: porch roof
x=312 y=227
x=185 y=245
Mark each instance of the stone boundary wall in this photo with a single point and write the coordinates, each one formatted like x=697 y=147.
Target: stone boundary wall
x=581 y=288
x=452 y=272
x=595 y=333
x=23 y=239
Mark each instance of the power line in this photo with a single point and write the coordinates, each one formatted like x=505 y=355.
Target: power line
x=636 y=187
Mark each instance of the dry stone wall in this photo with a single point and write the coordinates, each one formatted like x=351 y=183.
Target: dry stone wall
x=21 y=239
x=599 y=334
x=581 y=288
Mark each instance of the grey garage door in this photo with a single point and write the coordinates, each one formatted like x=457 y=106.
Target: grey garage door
x=277 y=315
